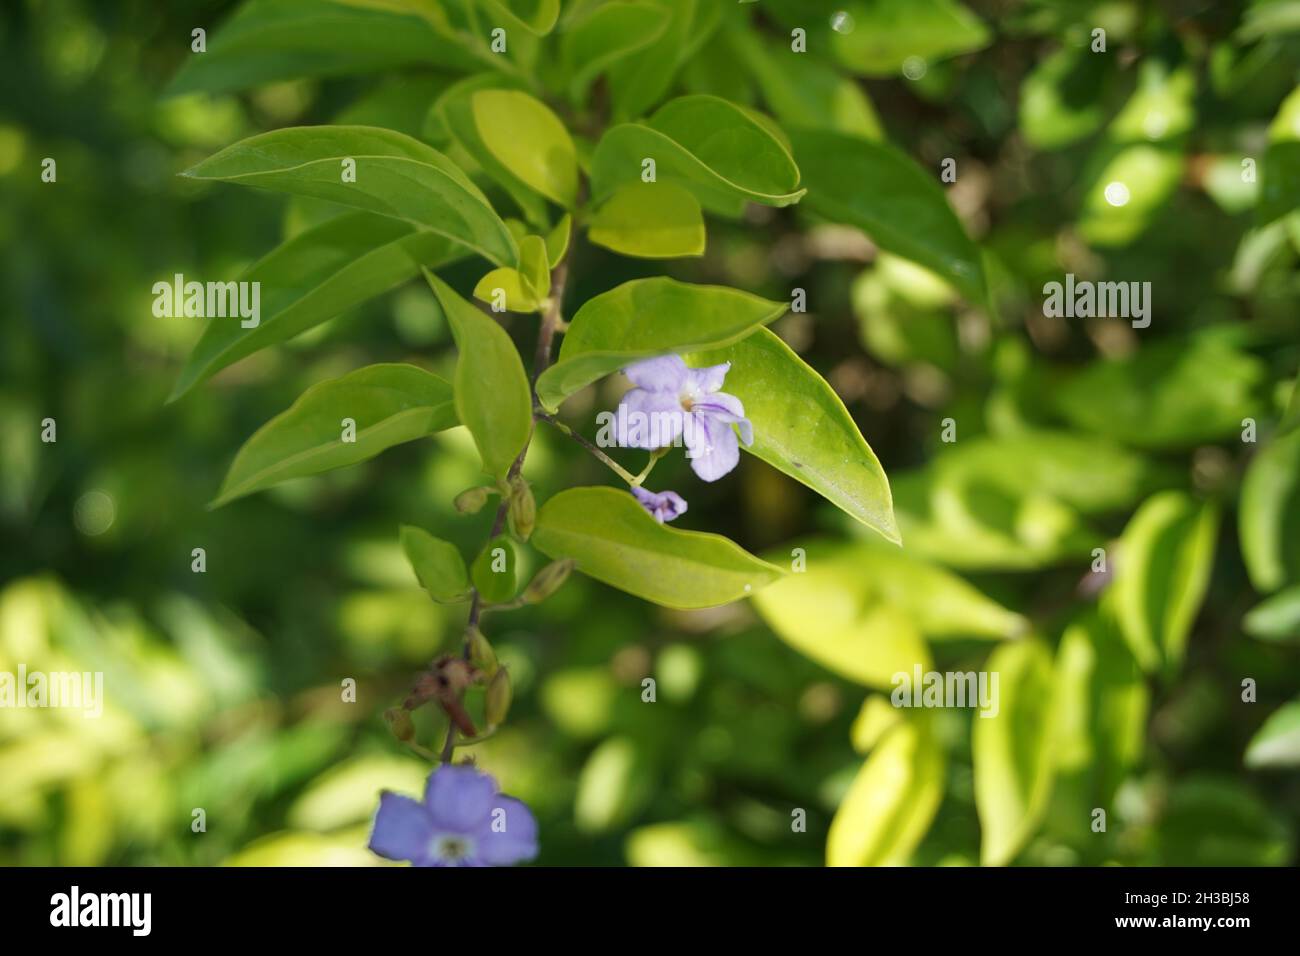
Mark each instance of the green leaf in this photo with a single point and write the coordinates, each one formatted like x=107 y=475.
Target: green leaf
x=804 y=91
x=892 y=801
x=644 y=318
x=496 y=570
x=535 y=265
x=1277 y=743
x=1138 y=166
x=1161 y=572
x=511 y=288
x=1276 y=618
x=1172 y=393
x=313 y=277
x=651 y=221
x=802 y=428
x=535 y=16
x=437 y=564
x=395 y=176
x=723 y=153
x=268 y=40
x=900 y=206
x=492 y=396
x=1132 y=184
x=1014 y=502
x=639 y=80
x=879 y=36
x=826 y=614
x=1269 y=514
x=390 y=404
x=615 y=540
x=1062 y=99
x=1279 y=187
x=612 y=32
x=867 y=576
x=1012 y=752
x=557 y=241
x=452 y=115
x=529 y=140
x=1102 y=704
x=616 y=782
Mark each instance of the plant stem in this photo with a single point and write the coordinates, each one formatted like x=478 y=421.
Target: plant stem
x=614 y=466
x=552 y=321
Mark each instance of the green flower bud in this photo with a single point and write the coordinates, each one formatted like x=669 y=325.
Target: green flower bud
x=399 y=722
x=523 y=509
x=481 y=654
x=497 y=703
x=472 y=500
x=548 y=580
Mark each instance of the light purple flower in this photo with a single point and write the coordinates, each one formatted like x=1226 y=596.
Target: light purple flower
x=463 y=821
x=664 y=505
x=672 y=402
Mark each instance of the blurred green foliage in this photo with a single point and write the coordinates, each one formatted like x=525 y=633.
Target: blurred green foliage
x=1120 y=692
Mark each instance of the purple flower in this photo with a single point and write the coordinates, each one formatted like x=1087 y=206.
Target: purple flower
x=664 y=505
x=463 y=821
x=672 y=402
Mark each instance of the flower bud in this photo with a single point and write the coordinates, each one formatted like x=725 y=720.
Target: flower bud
x=523 y=509
x=497 y=703
x=472 y=500
x=399 y=722
x=481 y=654
x=548 y=580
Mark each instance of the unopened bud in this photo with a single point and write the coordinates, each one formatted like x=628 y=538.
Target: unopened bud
x=523 y=509
x=472 y=500
x=548 y=580
x=399 y=722
x=496 y=705
x=481 y=654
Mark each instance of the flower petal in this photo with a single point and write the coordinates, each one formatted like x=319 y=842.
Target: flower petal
x=649 y=419
x=711 y=447
x=663 y=374
x=700 y=381
x=403 y=829
x=459 y=798
x=507 y=837
x=720 y=405
x=663 y=505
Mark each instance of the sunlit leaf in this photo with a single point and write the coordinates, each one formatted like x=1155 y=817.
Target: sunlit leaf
x=390 y=404
x=651 y=221
x=1160 y=575
x=724 y=154
x=1013 y=751
x=1269 y=514
x=529 y=140
x=395 y=176
x=499 y=417
x=1171 y=393
x=1277 y=743
x=437 y=564
x=892 y=801
x=647 y=317
x=313 y=277
x=802 y=428
x=885 y=194
x=616 y=541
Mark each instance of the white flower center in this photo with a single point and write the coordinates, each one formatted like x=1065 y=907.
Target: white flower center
x=451 y=847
